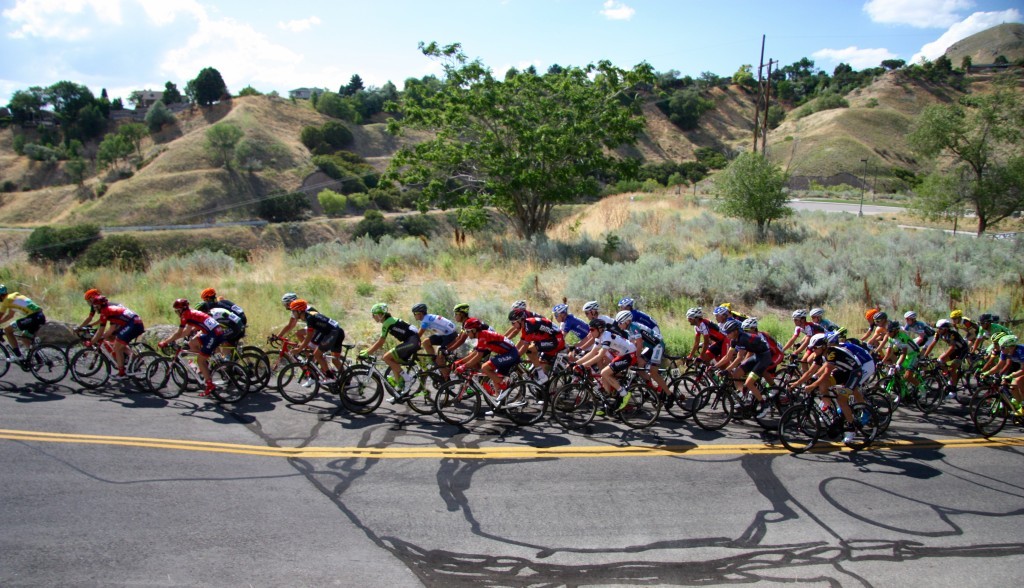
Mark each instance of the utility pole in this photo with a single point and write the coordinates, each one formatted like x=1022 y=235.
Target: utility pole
x=764 y=91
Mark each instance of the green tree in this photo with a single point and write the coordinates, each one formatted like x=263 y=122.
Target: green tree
x=981 y=138
x=249 y=91
x=207 y=87
x=966 y=63
x=49 y=244
x=336 y=106
x=751 y=189
x=336 y=134
x=67 y=99
x=685 y=107
x=25 y=105
x=334 y=204
x=522 y=145
x=114 y=151
x=284 y=207
x=355 y=84
x=123 y=252
x=134 y=133
x=891 y=64
x=171 y=94
x=157 y=116
x=221 y=140
x=744 y=78
x=76 y=169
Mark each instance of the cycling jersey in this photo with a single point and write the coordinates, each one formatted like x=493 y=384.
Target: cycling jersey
x=398 y=329
x=920 y=329
x=774 y=347
x=544 y=335
x=226 y=305
x=903 y=343
x=863 y=355
x=438 y=325
x=1017 y=356
x=616 y=343
x=706 y=328
x=226 y=318
x=992 y=329
x=118 y=316
x=954 y=340
x=809 y=329
x=23 y=304
x=492 y=342
x=968 y=326
x=844 y=364
x=571 y=324
x=751 y=343
x=654 y=347
x=828 y=325
x=645 y=320
x=202 y=322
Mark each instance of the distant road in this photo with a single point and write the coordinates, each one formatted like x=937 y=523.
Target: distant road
x=842 y=207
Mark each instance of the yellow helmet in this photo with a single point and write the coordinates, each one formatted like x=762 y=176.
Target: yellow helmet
x=956 y=314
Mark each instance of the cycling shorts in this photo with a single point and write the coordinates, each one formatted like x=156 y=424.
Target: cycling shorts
x=209 y=343
x=329 y=341
x=653 y=355
x=504 y=363
x=129 y=332
x=549 y=348
x=622 y=363
x=910 y=361
x=443 y=340
x=717 y=349
x=758 y=364
x=405 y=350
x=31 y=323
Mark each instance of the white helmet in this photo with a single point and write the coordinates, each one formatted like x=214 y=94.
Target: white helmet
x=800 y=313
x=695 y=313
x=817 y=312
x=624 y=316
x=817 y=341
x=910 y=315
x=750 y=324
x=943 y=323
x=591 y=306
x=519 y=305
x=288 y=298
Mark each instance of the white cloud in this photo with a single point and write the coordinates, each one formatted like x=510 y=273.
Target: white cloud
x=617 y=11
x=297 y=26
x=975 y=23
x=856 y=57
x=922 y=14
x=162 y=12
x=59 y=18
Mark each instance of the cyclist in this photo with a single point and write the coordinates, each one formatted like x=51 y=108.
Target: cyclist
x=125 y=327
x=442 y=333
x=867 y=361
x=233 y=325
x=12 y=303
x=1011 y=359
x=639 y=318
x=818 y=318
x=210 y=336
x=616 y=353
x=211 y=301
x=653 y=348
x=302 y=334
x=808 y=330
x=539 y=338
x=878 y=339
x=870 y=316
x=591 y=310
x=461 y=313
x=519 y=305
x=922 y=333
x=750 y=326
x=952 y=356
x=503 y=355
x=752 y=356
x=729 y=313
x=833 y=366
x=88 y=322
x=902 y=347
x=569 y=323
x=327 y=336
x=961 y=323
x=403 y=353
x=708 y=338
x=989 y=327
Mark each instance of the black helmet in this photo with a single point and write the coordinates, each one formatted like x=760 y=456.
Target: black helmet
x=420 y=308
x=598 y=324
x=516 y=315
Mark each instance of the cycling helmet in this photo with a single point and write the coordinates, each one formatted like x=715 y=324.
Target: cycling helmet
x=910 y=315
x=1008 y=341
x=91 y=293
x=893 y=326
x=560 y=308
x=730 y=325
x=3 y=290
x=519 y=305
x=800 y=314
x=516 y=314
x=726 y=305
x=817 y=341
x=881 y=316
x=957 y=313
x=288 y=298
x=817 y=312
x=749 y=325
x=100 y=300
x=180 y=304
x=299 y=305
x=591 y=306
x=420 y=307
x=833 y=337
x=461 y=307
x=695 y=313
x=208 y=293
x=626 y=302
x=598 y=324
x=870 y=314
x=379 y=308
x=943 y=324
x=624 y=316
x=472 y=324
x=720 y=310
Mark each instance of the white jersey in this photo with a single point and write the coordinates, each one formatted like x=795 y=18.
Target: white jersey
x=616 y=344
x=437 y=324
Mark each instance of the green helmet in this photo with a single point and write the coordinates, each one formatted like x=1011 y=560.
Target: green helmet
x=461 y=307
x=1008 y=341
x=3 y=289
x=379 y=308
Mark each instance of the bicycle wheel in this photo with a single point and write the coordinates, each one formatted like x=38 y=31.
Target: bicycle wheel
x=989 y=414
x=573 y=406
x=779 y=400
x=231 y=382
x=5 y=360
x=892 y=390
x=799 y=428
x=158 y=379
x=525 y=404
x=361 y=390
x=865 y=426
x=930 y=395
x=48 y=364
x=297 y=384
x=89 y=368
x=714 y=408
x=642 y=409
x=683 y=392
x=422 y=400
x=456 y=402
x=882 y=407
x=257 y=367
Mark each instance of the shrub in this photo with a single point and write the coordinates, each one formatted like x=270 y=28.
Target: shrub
x=237 y=253
x=374 y=226
x=123 y=252
x=9 y=186
x=101 y=189
x=334 y=204
x=650 y=185
x=60 y=244
x=201 y=262
x=158 y=116
x=336 y=134
x=711 y=158
x=284 y=207
x=417 y=225
x=312 y=137
x=19 y=144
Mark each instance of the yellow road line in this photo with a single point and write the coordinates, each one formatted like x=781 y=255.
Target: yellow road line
x=506 y=452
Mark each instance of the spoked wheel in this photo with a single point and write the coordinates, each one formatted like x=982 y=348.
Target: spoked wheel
x=257 y=366
x=865 y=426
x=5 y=361
x=714 y=408
x=231 y=382
x=573 y=406
x=422 y=400
x=882 y=407
x=48 y=364
x=799 y=428
x=526 y=404
x=930 y=395
x=457 y=403
x=361 y=391
x=779 y=401
x=989 y=414
x=683 y=392
x=297 y=383
x=642 y=409
x=89 y=368
x=159 y=379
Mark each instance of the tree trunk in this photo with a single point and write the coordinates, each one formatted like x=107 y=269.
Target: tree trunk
x=982 y=225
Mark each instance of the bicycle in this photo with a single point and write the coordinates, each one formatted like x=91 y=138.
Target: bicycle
x=458 y=401
x=91 y=365
x=926 y=396
x=301 y=379
x=169 y=377
x=811 y=419
x=255 y=362
x=993 y=409
x=47 y=363
x=575 y=405
x=364 y=385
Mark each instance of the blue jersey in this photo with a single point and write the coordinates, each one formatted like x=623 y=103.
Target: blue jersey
x=645 y=320
x=576 y=326
x=1017 y=356
x=859 y=352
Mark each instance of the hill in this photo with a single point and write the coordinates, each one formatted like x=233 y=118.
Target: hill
x=983 y=48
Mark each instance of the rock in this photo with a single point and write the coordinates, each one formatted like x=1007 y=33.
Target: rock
x=57 y=333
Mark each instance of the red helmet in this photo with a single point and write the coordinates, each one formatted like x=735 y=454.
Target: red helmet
x=100 y=300
x=208 y=293
x=299 y=305
x=181 y=304
x=472 y=323
x=91 y=293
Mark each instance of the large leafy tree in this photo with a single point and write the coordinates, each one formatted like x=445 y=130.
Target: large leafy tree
x=207 y=87
x=25 y=105
x=221 y=140
x=523 y=143
x=171 y=93
x=751 y=189
x=980 y=142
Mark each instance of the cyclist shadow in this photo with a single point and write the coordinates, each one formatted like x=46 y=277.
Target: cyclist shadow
x=34 y=391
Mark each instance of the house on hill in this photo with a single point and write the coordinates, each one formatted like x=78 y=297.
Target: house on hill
x=304 y=93
x=143 y=99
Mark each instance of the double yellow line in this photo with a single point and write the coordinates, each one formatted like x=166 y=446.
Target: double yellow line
x=506 y=452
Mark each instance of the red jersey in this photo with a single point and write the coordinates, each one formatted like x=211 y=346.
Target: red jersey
x=493 y=342
x=539 y=329
x=709 y=330
x=118 y=315
x=201 y=321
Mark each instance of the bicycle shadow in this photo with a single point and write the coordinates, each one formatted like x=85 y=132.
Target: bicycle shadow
x=33 y=391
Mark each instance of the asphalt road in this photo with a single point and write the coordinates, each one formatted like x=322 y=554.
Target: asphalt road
x=843 y=207
x=114 y=489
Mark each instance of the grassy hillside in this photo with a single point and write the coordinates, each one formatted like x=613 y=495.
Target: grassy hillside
x=983 y=48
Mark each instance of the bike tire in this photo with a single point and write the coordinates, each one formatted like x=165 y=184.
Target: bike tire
x=457 y=403
x=714 y=409
x=892 y=389
x=422 y=400
x=257 y=367
x=883 y=409
x=48 y=364
x=231 y=382
x=297 y=384
x=989 y=414
x=780 y=399
x=89 y=368
x=5 y=360
x=642 y=409
x=525 y=405
x=931 y=395
x=159 y=380
x=573 y=406
x=865 y=426
x=799 y=428
x=683 y=393
x=361 y=391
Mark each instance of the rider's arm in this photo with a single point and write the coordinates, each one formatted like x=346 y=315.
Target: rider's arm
x=377 y=345
x=287 y=328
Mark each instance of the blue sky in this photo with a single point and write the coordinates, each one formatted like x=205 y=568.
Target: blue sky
x=124 y=45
